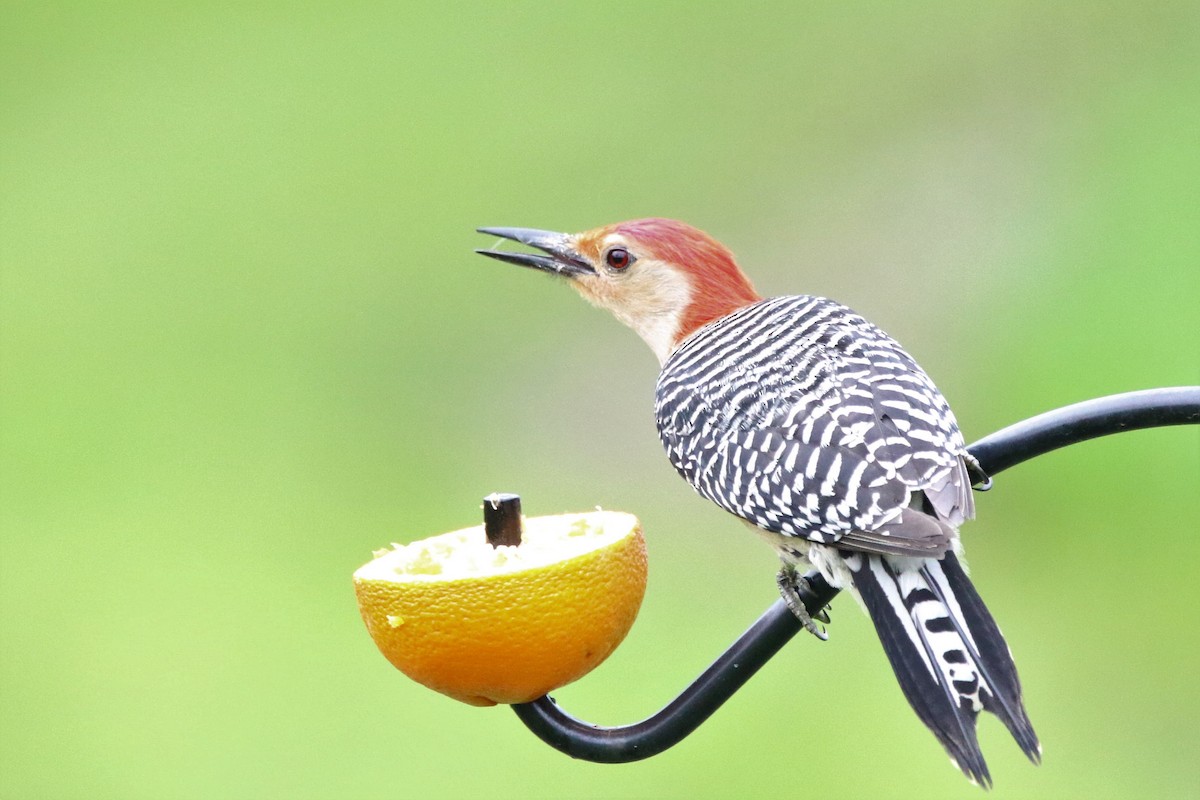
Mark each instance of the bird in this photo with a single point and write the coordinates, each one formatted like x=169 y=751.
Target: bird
x=826 y=438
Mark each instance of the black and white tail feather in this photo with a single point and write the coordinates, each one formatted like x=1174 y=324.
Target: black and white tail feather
x=948 y=655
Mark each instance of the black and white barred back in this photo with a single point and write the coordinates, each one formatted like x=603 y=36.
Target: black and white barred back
x=804 y=419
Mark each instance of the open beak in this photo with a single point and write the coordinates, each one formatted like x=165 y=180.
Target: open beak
x=560 y=257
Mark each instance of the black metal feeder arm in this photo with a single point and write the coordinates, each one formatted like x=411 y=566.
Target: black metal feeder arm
x=1152 y=408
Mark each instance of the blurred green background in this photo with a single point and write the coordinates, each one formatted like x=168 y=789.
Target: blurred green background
x=244 y=341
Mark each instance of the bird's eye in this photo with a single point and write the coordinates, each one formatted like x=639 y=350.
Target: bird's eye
x=618 y=258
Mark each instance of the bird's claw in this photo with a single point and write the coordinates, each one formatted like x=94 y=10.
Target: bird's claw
x=980 y=480
x=793 y=587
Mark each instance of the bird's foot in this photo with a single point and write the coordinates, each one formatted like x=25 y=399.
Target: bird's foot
x=793 y=587
x=980 y=480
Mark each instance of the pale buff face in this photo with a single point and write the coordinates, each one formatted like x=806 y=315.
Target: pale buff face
x=649 y=295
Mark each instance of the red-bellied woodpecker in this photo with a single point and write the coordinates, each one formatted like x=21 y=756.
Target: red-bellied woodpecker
x=820 y=432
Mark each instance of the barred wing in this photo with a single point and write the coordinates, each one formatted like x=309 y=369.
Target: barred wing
x=799 y=415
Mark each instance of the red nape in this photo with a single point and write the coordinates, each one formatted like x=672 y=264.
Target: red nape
x=719 y=287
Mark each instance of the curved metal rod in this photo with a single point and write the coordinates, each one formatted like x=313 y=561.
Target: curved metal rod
x=775 y=628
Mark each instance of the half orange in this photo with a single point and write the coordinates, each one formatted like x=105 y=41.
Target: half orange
x=506 y=624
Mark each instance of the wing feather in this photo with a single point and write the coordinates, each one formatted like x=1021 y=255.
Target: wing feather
x=802 y=417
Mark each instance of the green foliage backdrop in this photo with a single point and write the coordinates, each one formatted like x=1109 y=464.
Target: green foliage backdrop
x=244 y=341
